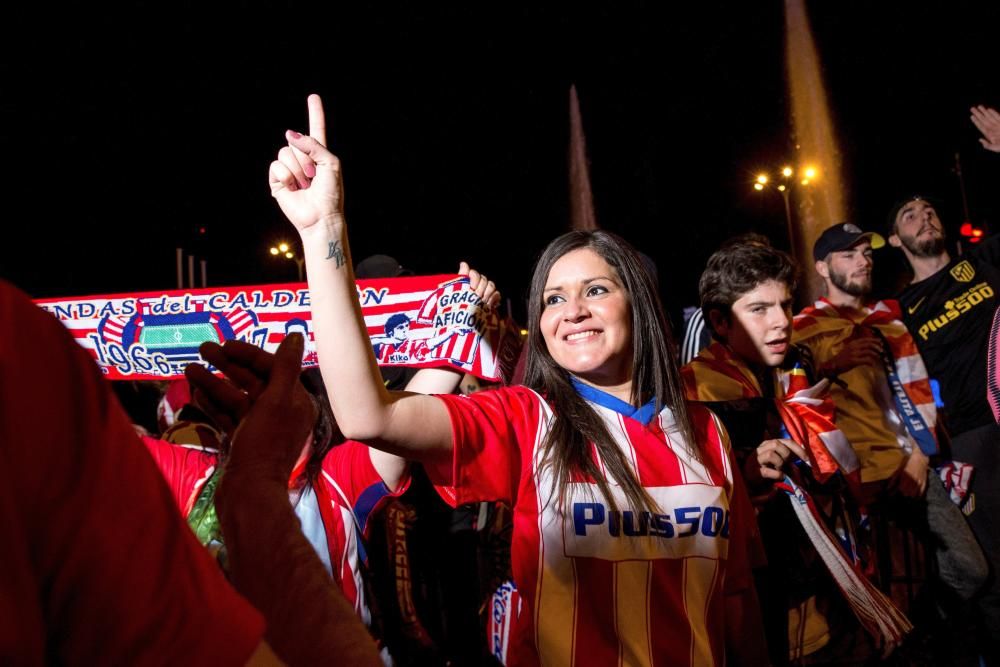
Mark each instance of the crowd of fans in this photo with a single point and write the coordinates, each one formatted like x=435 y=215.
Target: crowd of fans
x=812 y=488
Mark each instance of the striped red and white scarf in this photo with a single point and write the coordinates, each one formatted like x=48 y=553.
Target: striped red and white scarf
x=806 y=411
x=885 y=318
x=154 y=335
x=716 y=374
x=993 y=368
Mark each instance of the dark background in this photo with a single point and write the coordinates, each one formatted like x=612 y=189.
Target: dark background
x=128 y=130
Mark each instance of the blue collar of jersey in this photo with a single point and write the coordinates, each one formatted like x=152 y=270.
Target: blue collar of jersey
x=643 y=414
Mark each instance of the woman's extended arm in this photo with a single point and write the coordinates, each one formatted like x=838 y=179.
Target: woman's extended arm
x=432 y=381
x=306 y=182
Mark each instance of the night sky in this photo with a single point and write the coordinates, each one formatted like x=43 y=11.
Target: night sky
x=127 y=132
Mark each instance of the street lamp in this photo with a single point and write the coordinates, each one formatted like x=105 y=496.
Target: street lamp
x=286 y=250
x=783 y=185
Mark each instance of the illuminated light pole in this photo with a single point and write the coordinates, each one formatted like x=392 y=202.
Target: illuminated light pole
x=286 y=250
x=783 y=189
x=783 y=186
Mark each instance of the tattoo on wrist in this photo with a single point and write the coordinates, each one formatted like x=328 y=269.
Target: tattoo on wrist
x=336 y=253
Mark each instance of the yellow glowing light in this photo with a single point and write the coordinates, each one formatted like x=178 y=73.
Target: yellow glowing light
x=781 y=188
x=274 y=251
x=810 y=172
x=786 y=172
x=283 y=247
x=762 y=179
x=289 y=255
x=758 y=186
x=524 y=332
x=805 y=181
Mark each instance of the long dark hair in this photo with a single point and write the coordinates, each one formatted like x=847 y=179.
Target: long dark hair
x=654 y=372
x=326 y=432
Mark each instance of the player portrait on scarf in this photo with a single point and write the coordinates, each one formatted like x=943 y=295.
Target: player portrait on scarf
x=628 y=515
x=397 y=347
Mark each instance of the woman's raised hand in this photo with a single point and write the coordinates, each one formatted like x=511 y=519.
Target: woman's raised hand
x=484 y=288
x=305 y=178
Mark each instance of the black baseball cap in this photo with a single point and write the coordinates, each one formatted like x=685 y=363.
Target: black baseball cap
x=842 y=236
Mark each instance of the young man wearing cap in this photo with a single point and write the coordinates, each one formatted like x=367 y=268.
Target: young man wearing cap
x=884 y=402
x=948 y=307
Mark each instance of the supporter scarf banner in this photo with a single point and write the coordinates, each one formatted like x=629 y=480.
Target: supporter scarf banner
x=806 y=411
x=904 y=367
x=424 y=321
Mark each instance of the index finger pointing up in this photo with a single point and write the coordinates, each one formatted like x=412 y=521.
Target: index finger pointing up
x=317 y=119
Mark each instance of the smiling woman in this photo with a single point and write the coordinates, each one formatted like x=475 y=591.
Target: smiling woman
x=585 y=322
x=594 y=319
x=627 y=515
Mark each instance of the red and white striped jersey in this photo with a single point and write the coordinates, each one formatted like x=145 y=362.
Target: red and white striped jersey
x=185 y=468
x=348 y=492
x=602 y=586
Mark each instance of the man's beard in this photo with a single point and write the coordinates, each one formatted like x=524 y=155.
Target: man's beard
x=929 y=247
x=852 y=288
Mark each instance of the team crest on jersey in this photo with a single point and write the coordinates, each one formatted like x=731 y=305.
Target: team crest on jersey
x=691 y=520
x=963 y=272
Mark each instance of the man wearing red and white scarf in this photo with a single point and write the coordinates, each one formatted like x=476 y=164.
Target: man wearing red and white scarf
x=884 y=402
x=750 y=377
